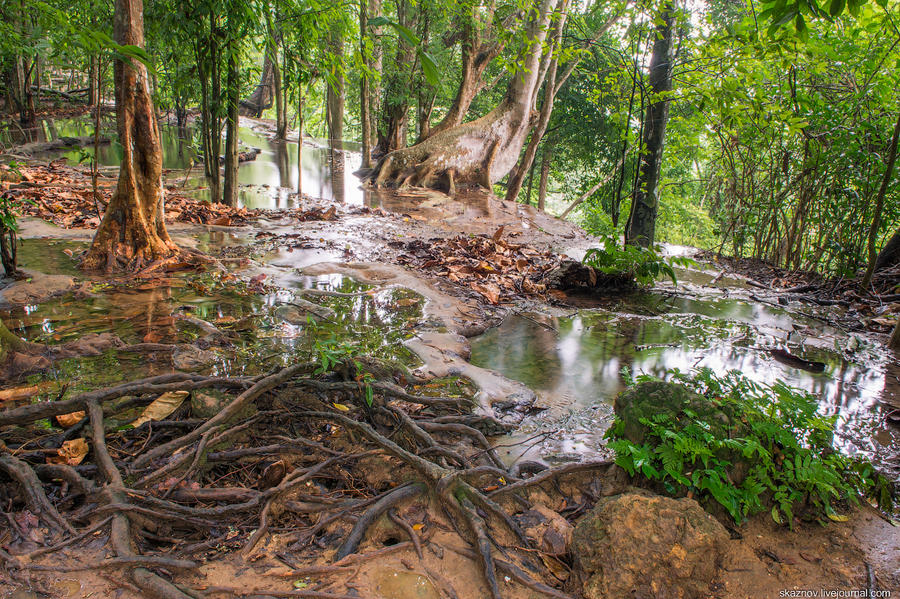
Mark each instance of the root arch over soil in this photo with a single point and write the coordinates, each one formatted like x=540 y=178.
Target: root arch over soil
x=284 y=463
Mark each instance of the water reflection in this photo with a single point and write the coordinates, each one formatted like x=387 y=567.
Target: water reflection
x=576 y=364
x=267 y=182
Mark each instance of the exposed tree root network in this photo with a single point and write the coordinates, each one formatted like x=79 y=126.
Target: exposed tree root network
x=291 y=464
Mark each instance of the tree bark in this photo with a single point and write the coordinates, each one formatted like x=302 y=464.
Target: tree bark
x=365 y=107
x=262 y=97
x=546 y=161
x=879 y=204
x=395 y=113
x=641 y=227
x=479 y=152
x=554 y=82
x=478 y=50
x=133 y=232
x=232 y=122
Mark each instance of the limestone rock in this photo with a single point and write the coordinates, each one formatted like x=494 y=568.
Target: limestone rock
x=190 y=358
x=208 y=402
x=646 y=546
x=37 y=288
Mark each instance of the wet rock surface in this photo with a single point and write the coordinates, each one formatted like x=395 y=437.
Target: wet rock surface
x=34 y=289
x=647 y=546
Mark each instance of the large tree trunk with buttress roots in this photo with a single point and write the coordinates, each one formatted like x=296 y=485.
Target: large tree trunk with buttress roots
x=133 y=231
x=480 y=152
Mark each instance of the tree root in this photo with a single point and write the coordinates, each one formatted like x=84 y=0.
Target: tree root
x=283 y=456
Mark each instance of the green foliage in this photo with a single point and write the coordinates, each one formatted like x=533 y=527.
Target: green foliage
x=780 y=440
x=645 y=265
x=331 y=353
x=9 y=206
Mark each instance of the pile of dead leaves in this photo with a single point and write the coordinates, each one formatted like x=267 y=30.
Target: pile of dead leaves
x=64 y=196
x=496 y=269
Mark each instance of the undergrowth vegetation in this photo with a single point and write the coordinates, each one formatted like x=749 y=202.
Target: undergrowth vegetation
x=645 y=265
x=776 y=454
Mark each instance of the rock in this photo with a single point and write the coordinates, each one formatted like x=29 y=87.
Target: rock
x=296 y=312
x=208 y=403
x=190 y=358
x=91 y=344
x=547 y=529
x=35 y=289
x=647 y=546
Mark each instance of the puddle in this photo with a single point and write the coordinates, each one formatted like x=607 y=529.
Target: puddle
x=269 y=181
x=397 y=584
x=575 y=364
x=265 y=329
x=49 y=256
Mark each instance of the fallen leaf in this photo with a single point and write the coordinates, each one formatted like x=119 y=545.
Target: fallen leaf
x=161 y=407
x=70 y=419
x=72 y=452
x=341 y=407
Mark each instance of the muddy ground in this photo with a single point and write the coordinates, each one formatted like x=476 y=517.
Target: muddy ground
x=375 y=245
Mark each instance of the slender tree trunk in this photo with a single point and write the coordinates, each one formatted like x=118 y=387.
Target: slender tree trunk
x=879 y=205
x=375 y=82
x=365 y=109
x=133 y=233
x=641 y=227
x=546 y=161
x=395 y=113
x=300 y=137
x=232 y=91
x=262 y=97
x=518 y=174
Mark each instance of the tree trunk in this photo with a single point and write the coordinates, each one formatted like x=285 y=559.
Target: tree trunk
x=518 y=174
x=232 y=122
x=483 y=151
x=641 y=227
x=395 y=113
x=300 y=137
x=133 y=233
x=546 y=161
x=334 y=100
x=264 y=94
x=879 y=204
x=375 y=83
x=365 y=109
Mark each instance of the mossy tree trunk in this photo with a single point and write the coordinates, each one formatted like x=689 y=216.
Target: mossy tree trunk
x=133 y=231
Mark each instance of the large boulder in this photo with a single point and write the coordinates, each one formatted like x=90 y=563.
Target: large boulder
x=644 y=546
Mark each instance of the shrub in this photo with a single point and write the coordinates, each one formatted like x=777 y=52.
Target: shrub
x=644 y=265
x=778 y=441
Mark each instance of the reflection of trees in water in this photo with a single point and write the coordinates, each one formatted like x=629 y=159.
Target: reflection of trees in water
x=337 y=159
x=283 y=162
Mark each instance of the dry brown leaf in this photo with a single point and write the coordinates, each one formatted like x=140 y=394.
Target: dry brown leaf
x=72 y=452
x=70 y=419
x=161 y=407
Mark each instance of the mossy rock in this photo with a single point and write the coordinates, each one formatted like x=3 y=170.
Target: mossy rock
x=646 y=400
x=682 y=406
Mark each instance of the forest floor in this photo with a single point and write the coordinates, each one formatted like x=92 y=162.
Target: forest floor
x=259 y=476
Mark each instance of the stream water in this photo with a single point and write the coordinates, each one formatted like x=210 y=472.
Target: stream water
x=269 y=181
x=573 y=360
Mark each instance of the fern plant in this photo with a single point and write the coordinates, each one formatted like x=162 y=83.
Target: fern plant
x=645 y=265
x=778 y=455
